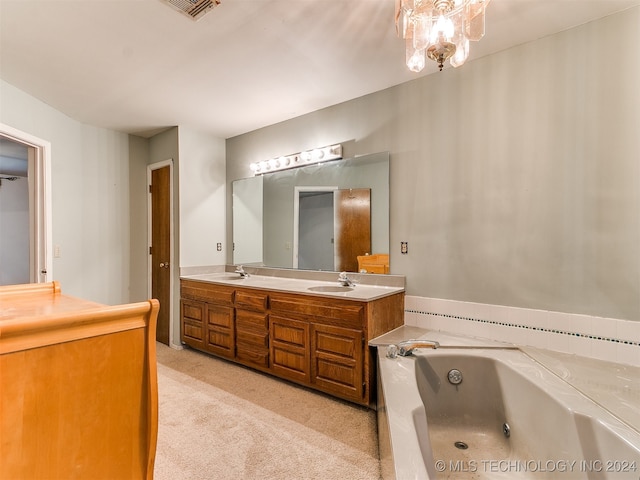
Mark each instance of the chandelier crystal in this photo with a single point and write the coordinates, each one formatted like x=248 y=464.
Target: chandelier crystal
x=439 y=29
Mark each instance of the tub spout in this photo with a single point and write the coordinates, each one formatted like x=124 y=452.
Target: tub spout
x=407 y=347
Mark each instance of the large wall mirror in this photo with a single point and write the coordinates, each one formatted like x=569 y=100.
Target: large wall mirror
x=318 y=217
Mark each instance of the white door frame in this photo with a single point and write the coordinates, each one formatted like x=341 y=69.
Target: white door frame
x=40 y=224
x=150 y=168
x=296 y=214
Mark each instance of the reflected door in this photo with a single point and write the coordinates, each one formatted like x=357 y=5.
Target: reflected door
x=352 y=227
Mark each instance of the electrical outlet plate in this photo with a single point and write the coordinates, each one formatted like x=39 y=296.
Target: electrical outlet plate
x=404 y=247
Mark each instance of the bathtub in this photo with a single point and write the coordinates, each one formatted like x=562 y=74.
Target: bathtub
x=509 y=417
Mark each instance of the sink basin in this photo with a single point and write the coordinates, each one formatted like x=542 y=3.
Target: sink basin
x=330 y=289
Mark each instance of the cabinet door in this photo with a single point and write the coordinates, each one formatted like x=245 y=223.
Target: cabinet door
x=337 y=360
x=289 y=349
x=220 y=331
x=192 y=330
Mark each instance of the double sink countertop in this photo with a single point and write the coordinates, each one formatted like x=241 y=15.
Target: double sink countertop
x=367 y=287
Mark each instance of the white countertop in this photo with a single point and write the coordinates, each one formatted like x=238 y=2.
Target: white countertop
x=615 y=387
x=360 y=292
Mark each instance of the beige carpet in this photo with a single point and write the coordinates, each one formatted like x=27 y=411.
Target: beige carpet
x=218 y=420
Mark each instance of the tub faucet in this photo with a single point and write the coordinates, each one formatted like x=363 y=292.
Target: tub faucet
x=407 y=347
x=241 y=272
x=345 y=281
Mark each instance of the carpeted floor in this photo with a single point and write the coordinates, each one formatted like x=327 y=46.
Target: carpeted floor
x=218 y=421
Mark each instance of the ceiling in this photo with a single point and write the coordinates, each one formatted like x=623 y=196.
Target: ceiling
x=139 y=66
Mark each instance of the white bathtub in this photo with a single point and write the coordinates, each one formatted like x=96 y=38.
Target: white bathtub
x=555 y=432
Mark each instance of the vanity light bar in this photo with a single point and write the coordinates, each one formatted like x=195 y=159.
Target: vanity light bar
x=317 y=155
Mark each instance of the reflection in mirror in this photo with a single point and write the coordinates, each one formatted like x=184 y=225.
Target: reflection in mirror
x=247 y=221
x=315 y=217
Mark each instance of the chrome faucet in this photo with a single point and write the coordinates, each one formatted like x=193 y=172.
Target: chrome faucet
x=407 y=347
x=345 y=281
x=241 y=272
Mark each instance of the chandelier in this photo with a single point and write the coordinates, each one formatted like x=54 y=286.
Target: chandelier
x=439 y=29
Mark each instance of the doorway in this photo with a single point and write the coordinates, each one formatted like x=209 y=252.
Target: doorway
x=25 y=213
x=160 y=178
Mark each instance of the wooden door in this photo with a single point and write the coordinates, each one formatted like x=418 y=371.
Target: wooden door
x=353 y=227
x=161 y=247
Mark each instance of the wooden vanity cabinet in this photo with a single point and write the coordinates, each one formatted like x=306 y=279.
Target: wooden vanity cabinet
x=319 y=342
x=333 y=342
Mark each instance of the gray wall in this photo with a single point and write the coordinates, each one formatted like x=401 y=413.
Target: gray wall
x=515 y=179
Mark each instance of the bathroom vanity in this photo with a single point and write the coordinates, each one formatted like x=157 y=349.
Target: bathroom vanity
x=309 y=332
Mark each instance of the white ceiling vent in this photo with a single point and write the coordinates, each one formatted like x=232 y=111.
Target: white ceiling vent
x=195 y=9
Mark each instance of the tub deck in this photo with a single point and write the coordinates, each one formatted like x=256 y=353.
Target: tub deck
x=555 y=431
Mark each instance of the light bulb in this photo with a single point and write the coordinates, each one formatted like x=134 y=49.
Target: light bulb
x=416 y=60
x=305 y=156
x=462 y=53
x=442 y=30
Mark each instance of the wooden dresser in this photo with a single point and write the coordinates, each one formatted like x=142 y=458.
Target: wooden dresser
x=78 y=386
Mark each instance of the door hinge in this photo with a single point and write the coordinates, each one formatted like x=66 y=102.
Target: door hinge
x=150 y=189
x=150 y=250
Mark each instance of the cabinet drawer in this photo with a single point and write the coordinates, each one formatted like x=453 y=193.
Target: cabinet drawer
x=252 y=300
x=249 y=355
x=347 y=311
x=252 y=321
x=207 y=292
x=252 y=338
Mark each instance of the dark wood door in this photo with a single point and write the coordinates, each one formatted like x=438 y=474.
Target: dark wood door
x=353 y=226
x=161 y=248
